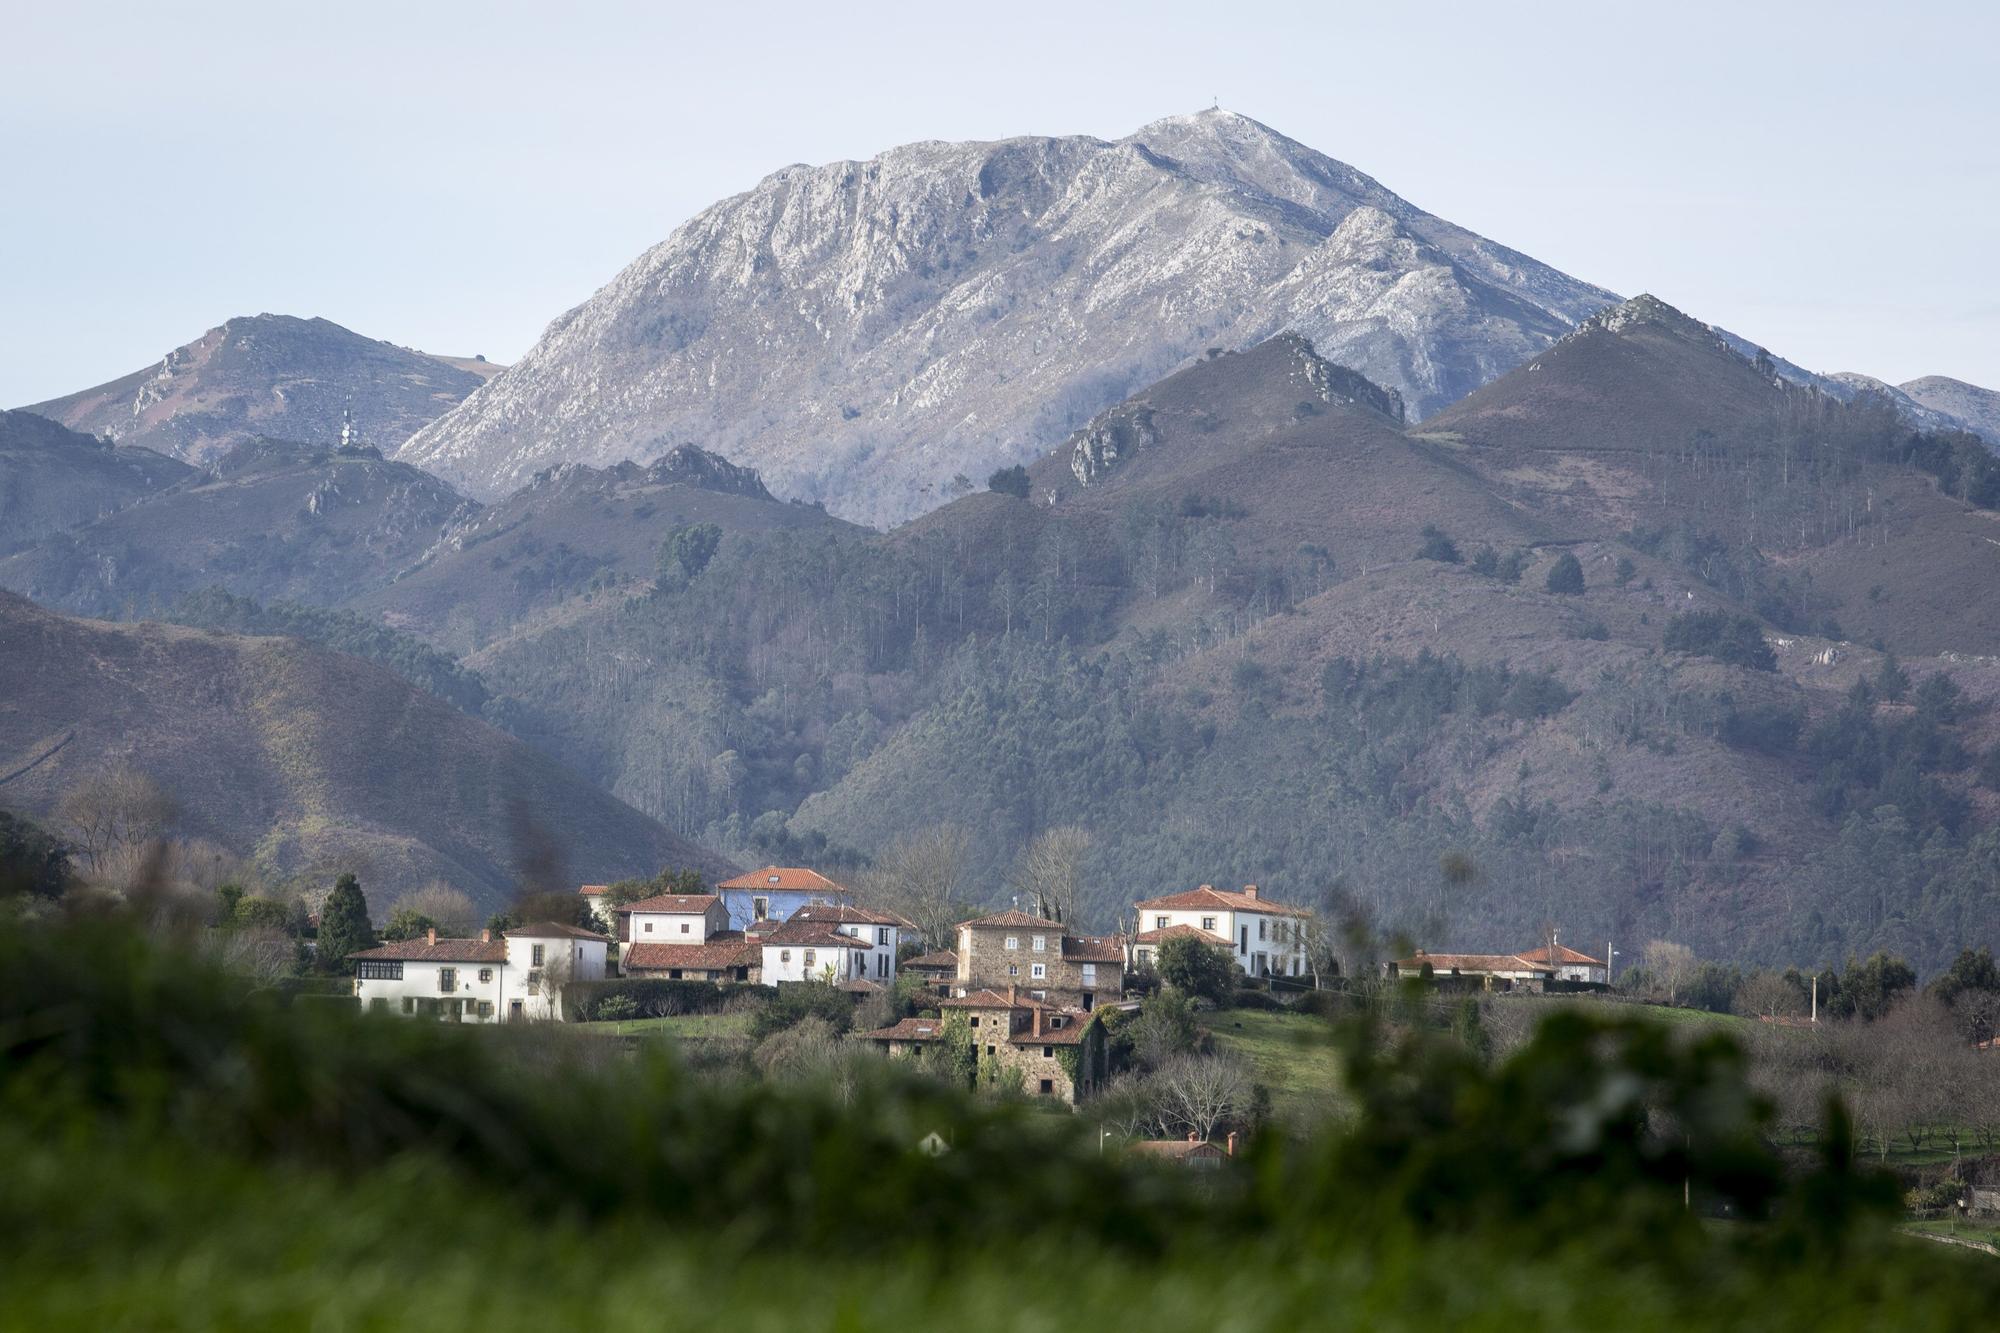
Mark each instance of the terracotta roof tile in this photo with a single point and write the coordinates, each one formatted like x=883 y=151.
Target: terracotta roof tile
x=811 y=934
x=943 y=960
x=910 y=1029
x=1174 y=1148
x=1174 y=933
x=556 y=930
x=724 y=949
x=1094 y=948
x=1564 y=956
x=678 y=904
x=1210 y=896
x=784 y=878
x=1021 y=919
x=1469 y=962
x=444 y=951
x=847 y=914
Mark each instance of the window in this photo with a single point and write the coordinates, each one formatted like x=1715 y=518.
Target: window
x=379 y=969
x=1040 y=943
x=882 y=965
x=380 y=1004
x=649 y=930
x=1208 y=924
x=760 y=909
x=447 y=978
x=1013 y=970
x=882 y=935
x=1090 y=974
x=1048 y=1087
x=1159 y=923
x=535 y=951
x=485 y=976
x=784 y=955
x=515 y=1013
x=1244 y=947
x=1038 y=995
x=1013 y=942
x=409 y=1004
x=1039 y=971
x=1263 y=931
x=486 y=1009
x=989 y=1050
x=1048 y=1053
x=809 y=957
x=975 y=1021
x=684 y=927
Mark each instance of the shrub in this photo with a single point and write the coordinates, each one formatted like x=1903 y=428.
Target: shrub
x=1437 y=546
x=1565 y=575
x=1738 y=640
x=1195 y=967
x=1010 y=481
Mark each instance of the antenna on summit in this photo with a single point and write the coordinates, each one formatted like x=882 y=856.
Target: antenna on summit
x=348 y=435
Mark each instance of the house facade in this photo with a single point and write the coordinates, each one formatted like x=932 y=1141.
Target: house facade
x=1056 y=1053
x=520 y=977
x=1034 y=955
x=1569 y=965
x=811 y=951
x=672 y=918
x=1265 y=938
x=775 y=892
x=726 y=955
x=882 y=932
x=1491 y=971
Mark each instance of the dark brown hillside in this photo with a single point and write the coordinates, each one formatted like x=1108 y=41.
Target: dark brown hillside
x=52 y=478
x=1292 y=450
x=575 y=530
x=302 y=759
x=271 y=520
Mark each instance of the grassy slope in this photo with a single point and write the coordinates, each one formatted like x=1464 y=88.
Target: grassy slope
x=1293 y=1055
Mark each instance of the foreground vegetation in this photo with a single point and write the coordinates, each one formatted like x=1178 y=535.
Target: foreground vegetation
x=186 y=1154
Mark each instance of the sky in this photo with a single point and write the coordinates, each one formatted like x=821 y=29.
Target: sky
x=1822 y=178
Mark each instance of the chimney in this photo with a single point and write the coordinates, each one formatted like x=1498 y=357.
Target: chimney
x=431 y=936
x=1038 y=1020
x=1012 y=990
x=486 y=937
x=1232 y=1143
x=1207 y=888
x=1249 y=890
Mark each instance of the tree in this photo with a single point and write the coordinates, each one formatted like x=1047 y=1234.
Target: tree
x=1671 y=966
x=1165 y=1028
x=1010 y=481
x=115 y=809
x=686 y=551
x=451 y=911
x=1892 y=682
x=343 y=925
x=1868 y=990
x=407 y=923
x=1565 y=575
x=1623 y=572
x=922 y=876
x=1049 y=872
x=1437 y=546
x=1194 y=1094
x=1970 y=988
x=32 y=862
x=1768 y=995
x=260 y=914
x=1195 y=966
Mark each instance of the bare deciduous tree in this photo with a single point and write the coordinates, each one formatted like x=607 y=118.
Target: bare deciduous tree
x=1196 y=1093
x=922 y=876
x=1671 y=967
x=264 y=955
x=454 y=913
x=1768 y=995
x=1049 y=873
x=117 y=808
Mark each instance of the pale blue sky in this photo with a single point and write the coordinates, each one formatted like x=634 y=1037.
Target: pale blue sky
x=1821 y=177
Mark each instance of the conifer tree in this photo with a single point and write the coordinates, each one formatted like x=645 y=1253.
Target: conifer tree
x=343 y=924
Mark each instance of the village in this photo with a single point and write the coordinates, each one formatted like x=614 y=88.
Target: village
x=1025 y=999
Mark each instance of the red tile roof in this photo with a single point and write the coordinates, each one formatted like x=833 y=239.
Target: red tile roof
x=1021 y=919
x=1074 y=1025
x=724 y=949
x=793 y=878
x=680 y=904
x=1469 y=962
x=992 y=999
x=848 y=914
x=943 y=960
x=1175 y=932
x=1210 y=896
x=555 y=930
x=591 y=890
x=812 y=934
x=1564 y=956
x=444 y=951
x=1093 y=948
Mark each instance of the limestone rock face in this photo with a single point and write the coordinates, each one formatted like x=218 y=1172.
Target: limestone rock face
x=863 y=332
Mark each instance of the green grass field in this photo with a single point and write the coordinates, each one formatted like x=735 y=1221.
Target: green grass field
x=685 y=1026
x=1292 y=1053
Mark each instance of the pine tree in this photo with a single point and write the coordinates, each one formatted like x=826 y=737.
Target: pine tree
x=343 y=924
x=1566 y=574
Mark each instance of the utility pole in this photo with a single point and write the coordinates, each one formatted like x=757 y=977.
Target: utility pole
x=1815 y=998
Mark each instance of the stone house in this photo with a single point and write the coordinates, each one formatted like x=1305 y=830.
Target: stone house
x=1057 y=1053
x=1036 y=956
x=1265 y=938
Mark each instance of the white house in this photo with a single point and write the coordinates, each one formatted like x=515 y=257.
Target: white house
x=673 y=918
x=1568 y=964
x=812 y=951
x=882 y=932
x=1265 y=938
x=517 y=978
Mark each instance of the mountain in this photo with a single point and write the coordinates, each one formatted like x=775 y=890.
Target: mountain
x=864 y=332
x=271 y=376
x=574 y=529
x=299 y=758
x=52 y=478
x=270 y=519
x=1977 y=409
